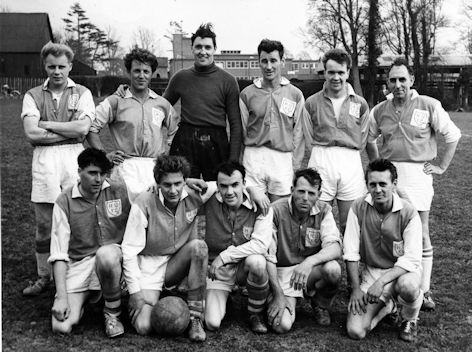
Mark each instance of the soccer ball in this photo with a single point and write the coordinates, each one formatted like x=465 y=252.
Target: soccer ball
x=170 y=316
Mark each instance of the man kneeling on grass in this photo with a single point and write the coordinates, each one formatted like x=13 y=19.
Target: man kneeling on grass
x=307 y=243
x=384 y=232
x=88 y=223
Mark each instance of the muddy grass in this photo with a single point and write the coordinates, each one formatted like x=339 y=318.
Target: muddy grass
x=26 y=321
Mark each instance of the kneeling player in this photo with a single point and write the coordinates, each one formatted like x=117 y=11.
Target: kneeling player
x=87 y=229
x=307 y=244
x=384 y=232
x=238 y=236
x=160 y=245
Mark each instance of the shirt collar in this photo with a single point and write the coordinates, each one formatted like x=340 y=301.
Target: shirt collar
x=258 y=82
x=247 y=202
x=397 y=203
x=182 y=196
x=76 y=193
x=350 y=90
x=70 y=83
x=313 y=211
x=151 y=93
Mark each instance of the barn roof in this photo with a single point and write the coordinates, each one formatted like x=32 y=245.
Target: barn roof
x=24 y=32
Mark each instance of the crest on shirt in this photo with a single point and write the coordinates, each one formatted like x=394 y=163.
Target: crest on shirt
x=73 y=101
x=247 y=232
x=113 y=208
x=288 y=107
x=190 y=215
x=312 y=237
x=420 y=118
x=355 y=109
x=397 y=249
x=157 y=117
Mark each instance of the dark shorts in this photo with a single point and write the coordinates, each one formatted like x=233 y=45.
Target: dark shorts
x=203 y=147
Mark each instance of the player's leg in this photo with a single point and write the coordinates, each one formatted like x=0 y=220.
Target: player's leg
x=191 y=260
x=254 y=273
x=255 y=166
x=410 y=297
x=76 y=306
x=279 y=171
x=43 y=218
x=324 y=280
x=215 y=308
x=288 y=318
x=108 y=264
x=359 y=325
x=343 y=210
x=426 y=263
x=142 y=323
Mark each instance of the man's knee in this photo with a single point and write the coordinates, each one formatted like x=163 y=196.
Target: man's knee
x=143 y=325
x=408 y=287
x=285 y=324
x=331 y=272
x=256 y=265
x=198 y=249
x=356 y=332
x=212 y=321
x=108 y=257
x=61 y=327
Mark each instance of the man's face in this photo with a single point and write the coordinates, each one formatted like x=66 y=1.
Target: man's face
x=400 y=81
x=271 y=65
x=304 y=195
x=336 y=75
x=140 y=75
x=171 y=186
x=91 y=179
x=203 y=51
x=57 y=69
x=231 y=188
x=381 y=187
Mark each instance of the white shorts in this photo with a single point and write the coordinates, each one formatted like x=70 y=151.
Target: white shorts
x=417 y=185
x=225 y=277
x=81 y=275
x=269 y=170
x=341 y=172
x=153 y=271
x=284 y=274
x=53 y=169
x=137 y=173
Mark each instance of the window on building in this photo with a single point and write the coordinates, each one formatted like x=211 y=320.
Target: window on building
x=305 y=65
x=295 y=66
x=254 y=64
x=220 y=64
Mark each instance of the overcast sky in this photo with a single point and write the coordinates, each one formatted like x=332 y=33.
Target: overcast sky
x=239 y=24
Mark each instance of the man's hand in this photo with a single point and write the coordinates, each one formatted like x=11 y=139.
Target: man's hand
x=121 y=90
x=117 y=157
x=61 y=309
x=260 y=198
x=197 y=185
x=429 y=169
x=135 y=305
x=300 y=276
x=276 y=309
x=357 y=302
x=217 y=263
x=374 y=292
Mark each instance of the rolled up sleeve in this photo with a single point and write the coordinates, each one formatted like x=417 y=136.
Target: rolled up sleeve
x=352 y=235
x=412 y=246
x=60 y=236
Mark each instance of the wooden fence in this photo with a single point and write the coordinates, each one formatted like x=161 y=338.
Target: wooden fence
x=21 y=84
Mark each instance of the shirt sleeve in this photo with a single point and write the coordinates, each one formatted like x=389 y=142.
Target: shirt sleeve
x=374 y=131
x=171 y=93
x=134 y=241
x=103 y=116
x=60 y=235
x=172 y=124
x=234 y=119
x=365 y=121
x=301 y=119
x=352 y=236
x=86 y=106
x=244 y=116
x=329 y=231
x=29 y=107
x=442 y=123
x=258 y=244
x=271 y=255
x=412 y=245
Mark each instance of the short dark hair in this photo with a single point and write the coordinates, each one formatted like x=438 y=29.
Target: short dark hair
x=401 y=61
x=204 y=31
x=56 y=50
x=311 y=175
x=269 y=46
x=167 y=164
x=96 y=157
x=381 y=165
x=228 y=167
x=141 y=55
x=339 y=55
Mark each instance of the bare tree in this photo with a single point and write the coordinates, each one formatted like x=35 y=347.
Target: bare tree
x=373 y=51
x=339 y=22
x=144 y=38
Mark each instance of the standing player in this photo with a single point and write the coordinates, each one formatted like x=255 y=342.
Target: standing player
x=272 y=113
x=338 y=132
x=383 y=232
x=56 y=118
x=141 y=124
x=209 y=97
x=89 y=219
x=160 y=247
x=238 y=236
x=409 y=124
x=307 y=243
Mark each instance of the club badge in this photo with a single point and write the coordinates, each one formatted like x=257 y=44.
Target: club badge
x=288 y=107
x=247 y=232
x=190 y=215
x=73 y=102
x=398 y=250
x=420 y=118
x=355 y=110
x=113 y=208
x=312 y=237
x=157 y=117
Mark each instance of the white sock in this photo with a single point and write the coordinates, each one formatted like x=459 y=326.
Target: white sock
x=411 y=310
x=427 y=263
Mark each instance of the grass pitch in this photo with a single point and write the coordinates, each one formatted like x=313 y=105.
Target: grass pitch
x=26 y=321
